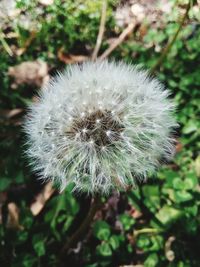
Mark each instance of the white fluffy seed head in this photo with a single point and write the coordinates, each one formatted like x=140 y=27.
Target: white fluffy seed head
x=100 y=126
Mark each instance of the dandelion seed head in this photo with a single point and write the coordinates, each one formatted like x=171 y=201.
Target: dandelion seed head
x=100 y=126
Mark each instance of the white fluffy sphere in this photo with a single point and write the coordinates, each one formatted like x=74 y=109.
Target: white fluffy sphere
x=100 y=126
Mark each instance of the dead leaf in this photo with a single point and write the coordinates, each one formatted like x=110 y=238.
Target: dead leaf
x=131 y=239
x=169 y=253
x=9 y=114
x=41 y=199
x=13 y=217
x=135 y=213
x=123 y=15
x=138 y=11
x=46 y=2
x=29 y=72
x=166 y=7
x=142 y=30
x=8 y=9
x=70 y=59
x=179 y=146
x=11 y=35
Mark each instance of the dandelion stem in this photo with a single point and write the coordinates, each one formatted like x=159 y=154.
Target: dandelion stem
x=95 y=205
x=169 y=45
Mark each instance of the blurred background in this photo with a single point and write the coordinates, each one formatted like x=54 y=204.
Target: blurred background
x=159 y=223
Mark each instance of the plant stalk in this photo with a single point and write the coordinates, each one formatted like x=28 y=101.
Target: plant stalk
x=95 y=205
x=171 y=42
x=101 y=31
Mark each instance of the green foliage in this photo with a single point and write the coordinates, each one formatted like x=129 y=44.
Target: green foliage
x=166 y=206
x=152 y=260
x=127 y=221
x=101 y=230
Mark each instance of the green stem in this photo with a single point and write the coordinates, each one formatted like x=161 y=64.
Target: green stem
x=147 y=231
x=171 y=42
x=5 y=45
x=95 y=205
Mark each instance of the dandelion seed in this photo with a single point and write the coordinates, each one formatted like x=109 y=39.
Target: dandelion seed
x=86 y=142
x=84 y=130
x=91 y=142
x=108 y=133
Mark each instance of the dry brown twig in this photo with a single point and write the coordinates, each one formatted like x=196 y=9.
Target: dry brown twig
x=101 y=30
x=118 y=41
x=42 y=198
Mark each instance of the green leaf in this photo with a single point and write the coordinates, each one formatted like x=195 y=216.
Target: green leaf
x=104 y=250
x=38 y=245
x=190 y=127
x=19 y=178
x=22 y=236
x=28 y=261
x=62 y=209
x=143 y=241
x=130 y=248
x=191 y=181
x=178 y=183
x=182 y=196
x=101 y=230
x=152 y=260
x=167 y=215
x=152 y=196
x=134 y=197
x=114 y=242
x=127 y=221
x=188 y=184
x=4 y=183
x=191 y=210
x=170 y=176
x=157 y=243
x=191 y=226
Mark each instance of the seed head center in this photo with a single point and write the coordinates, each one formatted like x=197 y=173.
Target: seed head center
x=97 y=127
